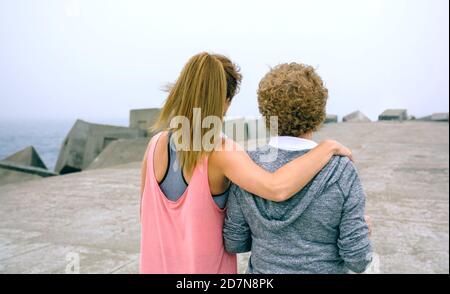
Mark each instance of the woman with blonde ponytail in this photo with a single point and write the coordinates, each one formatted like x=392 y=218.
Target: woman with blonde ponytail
x=188 y=167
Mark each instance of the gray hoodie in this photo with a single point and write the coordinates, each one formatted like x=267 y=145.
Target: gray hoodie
x=319 y=230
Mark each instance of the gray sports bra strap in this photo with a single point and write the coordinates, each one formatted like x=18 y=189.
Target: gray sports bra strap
x=174 y=184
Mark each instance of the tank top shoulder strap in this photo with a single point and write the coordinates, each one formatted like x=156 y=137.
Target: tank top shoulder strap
x=150 y=153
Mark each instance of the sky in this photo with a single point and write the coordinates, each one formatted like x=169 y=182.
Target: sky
x=96 y=60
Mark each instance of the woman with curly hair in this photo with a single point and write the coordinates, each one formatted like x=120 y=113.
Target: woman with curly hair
x=322 y=229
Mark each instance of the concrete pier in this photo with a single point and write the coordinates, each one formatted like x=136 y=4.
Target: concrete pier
x=95 y=213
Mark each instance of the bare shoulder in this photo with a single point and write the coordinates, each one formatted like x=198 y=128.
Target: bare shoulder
x=150 y=142
x=162 y=142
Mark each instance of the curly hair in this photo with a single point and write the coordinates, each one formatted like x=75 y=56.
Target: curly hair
x=296 y=94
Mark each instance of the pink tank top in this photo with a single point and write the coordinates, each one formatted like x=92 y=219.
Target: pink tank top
x=183 y=236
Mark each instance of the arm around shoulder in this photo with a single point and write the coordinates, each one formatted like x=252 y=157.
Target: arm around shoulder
x=238 y=167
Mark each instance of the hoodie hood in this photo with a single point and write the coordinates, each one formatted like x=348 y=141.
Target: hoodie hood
x=281 y=214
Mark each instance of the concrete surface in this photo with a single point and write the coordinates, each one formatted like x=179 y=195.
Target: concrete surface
x=356 y=116
x=404 y=168
x=394 y=114
x=86 y=141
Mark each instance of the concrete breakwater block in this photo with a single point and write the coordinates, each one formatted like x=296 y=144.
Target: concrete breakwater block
x=331 y=118
x=86 y=141
x=437 y=117
x=42 y=172
x=236 y=129
x=394 y=114
x=27 y=157
x=121 y=151
x=356 y=116
x=8 y=176
x=441 y=116
x=143 y=118
x=23 y=165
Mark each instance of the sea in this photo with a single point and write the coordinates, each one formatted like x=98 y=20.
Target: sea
x=46 y=136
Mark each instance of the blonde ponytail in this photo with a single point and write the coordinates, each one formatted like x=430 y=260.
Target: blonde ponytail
x=202 y=84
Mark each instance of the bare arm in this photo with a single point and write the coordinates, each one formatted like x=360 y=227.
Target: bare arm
x=143 y=172
x=238 y=167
